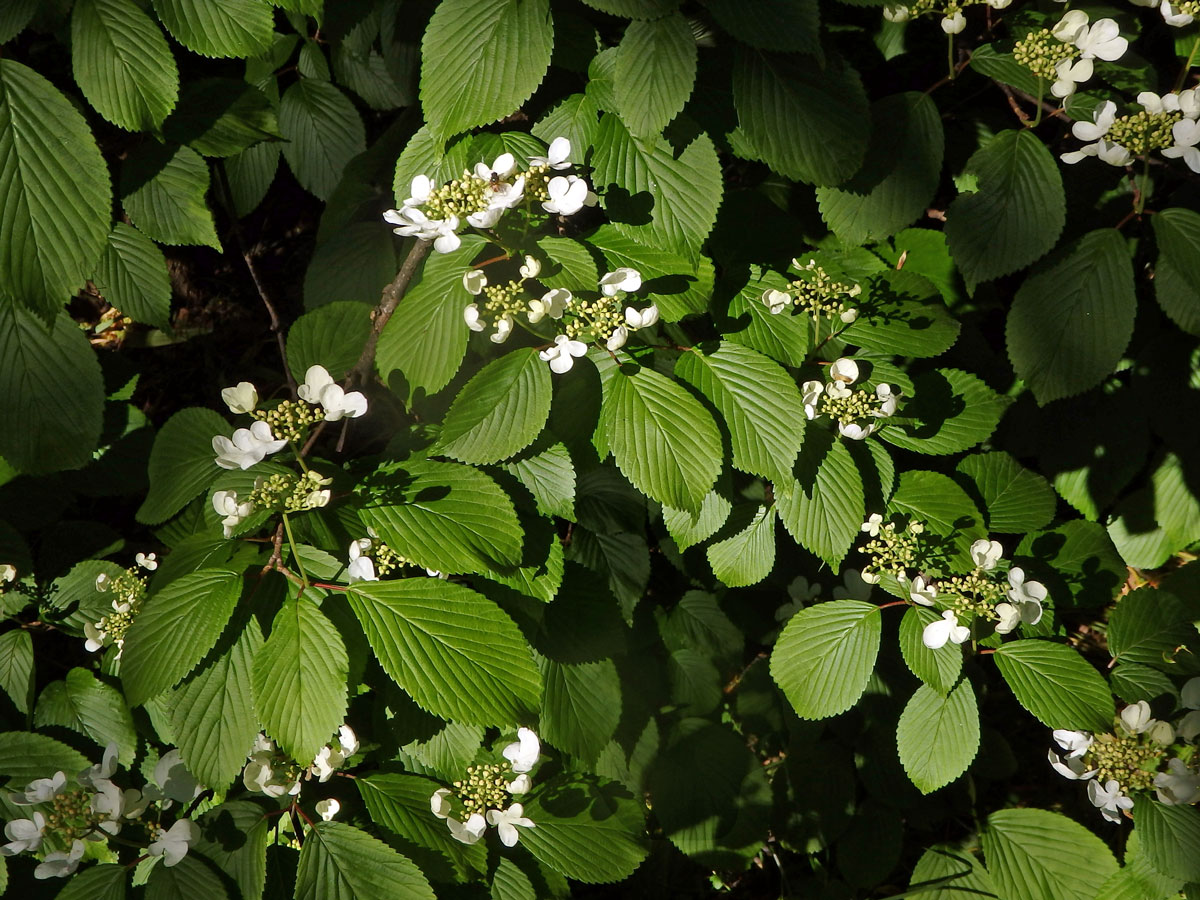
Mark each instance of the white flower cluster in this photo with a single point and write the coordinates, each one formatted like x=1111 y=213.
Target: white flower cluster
x=364 y=552
x=128 y=590
x=1178 y=14
x=857 y=413
x=953 y=21
x=482 y=793
x=8 y=574
x=1134 y=757
x=1065 y=55
x=480 y=198
x=268 y=771
x=1169 y=123
x=94 y=809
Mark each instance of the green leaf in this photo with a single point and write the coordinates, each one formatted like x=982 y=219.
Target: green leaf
x=355 y=264
x=938 y=735
x=659 y=52
x=1056 y=684
x=482 y=59
x=549 y=475
x=299 y=678
x=747 y=556
x=789 y=25
x=825 y=655
x=25 y=756
x=132 y=276
x=663 y=440
x=219 y=28
x=1015 y=499
x=222 y=117
x=938 y=668
x=957 y=873
x=682 y=188
x=103 y=882
x=427 y=154
x=323 y=131
x=182 y=462
x=57 y=194
x=1004 y=68
x=1033 y=854
x=1017 y=213
x=250 y=174
x=50 y=384
x=189 y=879
x=14 y=17
x=234 y=836
x=499 y=412
x=677 y=287
x=85 y=704
x=953 y=410
x=688 y=530
x=581 y=706
x=784 y=338
x=1070 y=323
x=122 y=63
x=576 y=118
x=807 y=121
x=944 y=508
x=759 y=402
x=188 y=615
x=634 y=9
x=824 y=508
x=16 y=667
x=162 y=190
x=447 y=517
x=1155 y=628
x=570 y=265
x=1133 y=682
x=903 y=317
x=588 y=828
x=1169 y=837
x=425 y=340
x=1175 y=507
x=451 y=649
x=1177 y=274
x=1137 y=879
x=899 y=174
x=212 y=713
x=339 y=862
x=331 y=336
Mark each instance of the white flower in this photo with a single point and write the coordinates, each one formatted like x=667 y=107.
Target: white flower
x=176 y=781
x=172 y=844
x=563 y=354
x=1025 y=596
x=61 y=863
x=524 y=752
x=520 y=785
x=320 y=389
x=641 y=318
x=1070 y=767
x=1156 y=105
x=504 y=166
x=844 y=370
x=1010 y=617
x=622 y=279
x=985 y=554
x=1102 y=120
x=848 y=315
x=506 y=823
x=1109 y=799
x=8 y=574
x=471 y=317
x=810 y=393
x=872 y=525
x=468 y=832
x=474 y=280
x=869 y=577
x=95 y=637
x=557 y=157
x=855 y=586
x=103 y=770
x=240 y=399
x=568 y=195
x=420 y=189
x=439 y=805
x=326 y=762
x=109 y=802
x=999 y=4
x=1178 y=785
x=776 y=301
x=226 y=504
x=553 y=304
x=1136 y=717
x=247 y=447
x=148 y=561
x=1070 y=73
x=361 y=567
x=348 y=740
x=936 y=634
x=531 y=267
x=617 y=339
x=1101 y=40
x=329 y=808
x=1189 y=727
x=412 y=222
x=24 y=834
x=1070 y=26
x=955 y=23
x=1076 y=743
x=40 y=790
x=924 y=594
x=260 y=776
x=888 y=401
x=1172 y=18
x=896 y=13
x=504 y=327
x=1186 y=133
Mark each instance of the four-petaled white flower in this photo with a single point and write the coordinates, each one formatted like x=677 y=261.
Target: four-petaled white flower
x=328 y=808
x=103 y=770
x=247 y=447
x=641 y=318
x=60 y=863
x=936 y=634
x=1102 y=120
x=894 y=12
x=172 y=844
x=844 y=370
x=520 y=785
x=506 y=823
x=1109 y=799
x=504 y=327
x=474 y=280
x=320 y=389
x=226 y=504
x=1025 y=597
x=955 y=23
x=148 y=561
x=523 y=753
x=411 y=222
x=8 y=573
x=568 y=195
x=872 y=525
x=622 y=279
x=1076 y=743
x=563 y=354
x=1070 y=26
x=173 y=777
x=24 y=834
x=40 y=790
x=777 y=301
x=472 y=318
x=331 y=758
x=1101 y=40
x=1186 y=133
x=1172 y=18
x=1178 y=785
x=985 y=554
x=1070 y=767
x=531 y=267
x=1136 y=717
x=924 y=593
x=617 y=339
x=240 y=399
x=553 y=304
x=810 y=393
x=468 y=832
x=558 y=157
x=1068 y=74
x=361 y=568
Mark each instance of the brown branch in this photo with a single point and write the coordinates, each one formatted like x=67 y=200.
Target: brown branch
x=1012 y=101
x=390 y=299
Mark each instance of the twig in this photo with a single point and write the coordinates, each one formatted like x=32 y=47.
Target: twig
x=390 y=299
x=1012 y=102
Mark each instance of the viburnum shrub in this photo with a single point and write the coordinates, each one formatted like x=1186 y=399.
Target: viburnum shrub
x=637 y=448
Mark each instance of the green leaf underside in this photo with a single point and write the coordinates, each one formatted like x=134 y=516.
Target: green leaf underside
x=451 y=649
x=825 y=656
x=218 y=28
x=938 y=736
x=748 y=556
x=331 y=336
x=1056 y=684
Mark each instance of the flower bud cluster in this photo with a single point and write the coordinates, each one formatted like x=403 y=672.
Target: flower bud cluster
x=815 y=293
x=291 y=419
x=484 y=792
x=1041 y=52
x=371 y=559
x=128 y=590
x=1169 y=123
x=856 y=412
x=290 y=493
